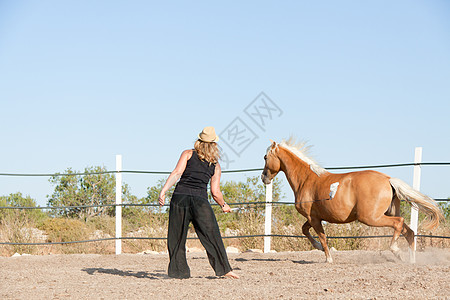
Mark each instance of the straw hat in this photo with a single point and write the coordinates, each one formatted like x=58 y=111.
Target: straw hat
x=208 y=135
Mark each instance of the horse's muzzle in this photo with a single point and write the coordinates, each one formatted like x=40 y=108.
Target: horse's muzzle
x=265 y=179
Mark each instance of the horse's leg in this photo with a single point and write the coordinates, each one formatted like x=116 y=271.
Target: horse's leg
x=396 y=213
x=409 y=236
x=406 y=231
x=397 y=223
x=317 y=225
x=305 y=230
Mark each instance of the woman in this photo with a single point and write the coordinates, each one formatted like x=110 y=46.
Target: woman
x=189 y=203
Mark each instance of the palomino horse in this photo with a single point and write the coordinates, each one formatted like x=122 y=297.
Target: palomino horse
x=370 y=197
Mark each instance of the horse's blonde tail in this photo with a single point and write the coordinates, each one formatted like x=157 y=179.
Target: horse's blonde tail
x=425 y=203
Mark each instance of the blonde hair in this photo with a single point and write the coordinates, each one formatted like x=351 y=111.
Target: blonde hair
x=207 y=151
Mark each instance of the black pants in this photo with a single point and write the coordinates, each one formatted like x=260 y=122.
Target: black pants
x=183 y=210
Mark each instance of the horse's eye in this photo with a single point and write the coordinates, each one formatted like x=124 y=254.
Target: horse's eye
x=265 y=157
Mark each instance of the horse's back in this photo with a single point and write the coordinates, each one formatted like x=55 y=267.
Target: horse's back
x=371 y=182
x=361 y=183
x=357 y=194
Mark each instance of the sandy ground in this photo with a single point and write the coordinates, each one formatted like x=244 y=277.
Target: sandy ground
x=287 y=275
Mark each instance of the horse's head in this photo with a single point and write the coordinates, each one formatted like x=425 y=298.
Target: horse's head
x=272 y=164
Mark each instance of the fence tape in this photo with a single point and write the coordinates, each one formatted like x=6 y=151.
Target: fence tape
x=223 y=171
x=224 y=237
x=154 y=205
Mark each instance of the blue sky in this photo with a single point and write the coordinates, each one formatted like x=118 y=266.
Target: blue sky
x=365 y=82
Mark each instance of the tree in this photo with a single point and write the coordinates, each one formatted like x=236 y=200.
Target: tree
x=252 y=190
x=94 y=189
x=153 y=195
x=445 y=206
x=18 y=200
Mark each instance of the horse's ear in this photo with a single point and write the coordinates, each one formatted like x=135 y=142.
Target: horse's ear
x=273 y=143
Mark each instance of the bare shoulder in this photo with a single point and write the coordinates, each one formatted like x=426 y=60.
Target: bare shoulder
x=187 y=153
x=217 y=170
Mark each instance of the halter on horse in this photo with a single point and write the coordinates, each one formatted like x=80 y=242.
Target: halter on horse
x=370 y=197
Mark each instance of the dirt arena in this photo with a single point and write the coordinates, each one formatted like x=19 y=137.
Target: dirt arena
x=287 y=275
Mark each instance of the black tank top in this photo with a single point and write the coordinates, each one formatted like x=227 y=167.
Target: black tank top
x=195 y=178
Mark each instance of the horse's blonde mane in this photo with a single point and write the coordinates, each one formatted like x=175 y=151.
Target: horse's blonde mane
x=301 y=150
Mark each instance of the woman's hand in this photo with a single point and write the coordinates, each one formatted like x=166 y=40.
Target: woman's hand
x=161 y=199
x=226 y=208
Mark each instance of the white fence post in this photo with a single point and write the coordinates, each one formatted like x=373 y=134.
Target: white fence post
x=268 y=218
x=118 y=204
x=416 y=186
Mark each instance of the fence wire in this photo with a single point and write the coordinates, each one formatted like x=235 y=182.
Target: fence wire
x=231 y=204
x=224 y=237
x=223 y=171
x=156 y=205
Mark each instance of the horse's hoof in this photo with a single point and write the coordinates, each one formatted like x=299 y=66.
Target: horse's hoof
x=397 y=254
x=318 y=246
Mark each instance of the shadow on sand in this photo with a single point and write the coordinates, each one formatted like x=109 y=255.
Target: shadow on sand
x=159 y=274
x=146 y=275
x=303 y=262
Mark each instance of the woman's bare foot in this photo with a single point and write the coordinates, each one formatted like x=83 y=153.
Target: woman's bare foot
x=231 y=275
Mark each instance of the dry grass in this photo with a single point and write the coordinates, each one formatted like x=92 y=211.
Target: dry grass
x=286 y=221
x=17 y=230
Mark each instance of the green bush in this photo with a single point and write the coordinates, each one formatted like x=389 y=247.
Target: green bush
x=29 y=216
x=445 y=206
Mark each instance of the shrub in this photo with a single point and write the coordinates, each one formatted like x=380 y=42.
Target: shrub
x=147 y=225
x=31 y=216
x=67 y=230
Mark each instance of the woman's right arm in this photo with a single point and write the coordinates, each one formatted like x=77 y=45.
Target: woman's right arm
x=215 y=189
x=175 y=175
